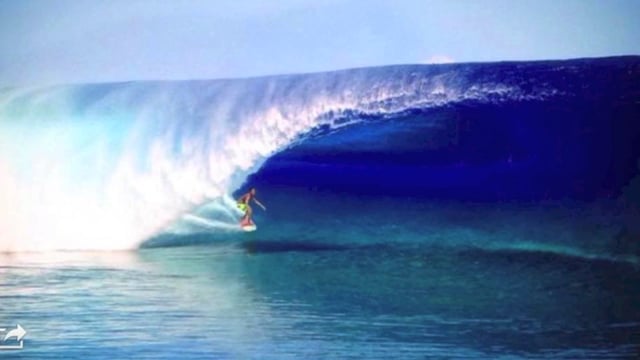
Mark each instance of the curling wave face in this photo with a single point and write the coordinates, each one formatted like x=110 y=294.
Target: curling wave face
x=106 y=166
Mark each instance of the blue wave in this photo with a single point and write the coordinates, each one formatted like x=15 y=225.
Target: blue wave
x=123 y=161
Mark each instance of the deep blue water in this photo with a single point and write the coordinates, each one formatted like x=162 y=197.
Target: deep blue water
x=497 y=226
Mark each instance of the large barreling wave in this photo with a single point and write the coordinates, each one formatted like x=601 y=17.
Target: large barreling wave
x=106 y=166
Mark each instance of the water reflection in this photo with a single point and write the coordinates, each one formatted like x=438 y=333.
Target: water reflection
x=249 y=299
x=112 y=259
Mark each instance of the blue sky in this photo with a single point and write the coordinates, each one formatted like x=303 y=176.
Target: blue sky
x=68 y=41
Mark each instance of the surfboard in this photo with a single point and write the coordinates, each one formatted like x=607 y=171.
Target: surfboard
x=248 y=226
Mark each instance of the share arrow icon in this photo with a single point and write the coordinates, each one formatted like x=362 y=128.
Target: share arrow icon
x=18 y=333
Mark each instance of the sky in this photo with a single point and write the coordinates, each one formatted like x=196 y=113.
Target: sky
x=72 y=41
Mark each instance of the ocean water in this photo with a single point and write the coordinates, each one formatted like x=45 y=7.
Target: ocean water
x=336 y=286
x=457 y=211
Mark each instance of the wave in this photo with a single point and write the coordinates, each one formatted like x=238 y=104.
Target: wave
x=106 y=166
x=526 y=253
x=551 y=253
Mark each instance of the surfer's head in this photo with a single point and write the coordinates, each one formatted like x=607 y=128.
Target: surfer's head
x=252 y=191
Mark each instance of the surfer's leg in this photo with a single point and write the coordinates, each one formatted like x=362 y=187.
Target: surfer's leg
x=249 y=212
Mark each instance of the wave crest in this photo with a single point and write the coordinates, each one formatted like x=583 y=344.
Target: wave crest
x=105 y=166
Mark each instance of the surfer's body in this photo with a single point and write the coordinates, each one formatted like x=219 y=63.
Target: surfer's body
x=243 y=205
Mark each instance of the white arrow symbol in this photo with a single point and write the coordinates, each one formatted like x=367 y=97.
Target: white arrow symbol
x=17 y=333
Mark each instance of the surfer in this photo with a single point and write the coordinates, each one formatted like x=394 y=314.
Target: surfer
x=243 y=205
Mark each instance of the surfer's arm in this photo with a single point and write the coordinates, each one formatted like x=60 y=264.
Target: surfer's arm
x=259 y=204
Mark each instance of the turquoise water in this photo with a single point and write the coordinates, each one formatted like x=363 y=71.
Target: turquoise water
x=341 y=287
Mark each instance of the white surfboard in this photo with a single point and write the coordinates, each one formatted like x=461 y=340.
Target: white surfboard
x=249 y=227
